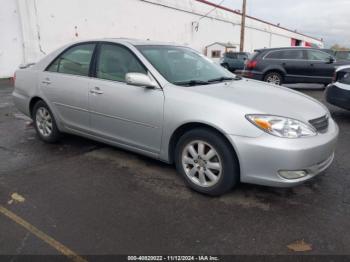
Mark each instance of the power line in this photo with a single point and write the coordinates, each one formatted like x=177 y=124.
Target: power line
x=212 y=10
x=195 y=24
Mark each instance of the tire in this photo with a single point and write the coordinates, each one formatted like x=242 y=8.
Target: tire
x=274 y=78
x=218 y=159
x=44 y=123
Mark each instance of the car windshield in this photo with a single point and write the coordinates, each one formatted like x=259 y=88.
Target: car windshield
x=184 y=66
x=344 y=78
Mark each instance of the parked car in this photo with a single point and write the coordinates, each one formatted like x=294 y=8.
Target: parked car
x=234 y=60
x=338 y=93
x=291 y=65
x=172 y=103
x=339 y=55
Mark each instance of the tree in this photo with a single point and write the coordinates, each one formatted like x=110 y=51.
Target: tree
x=337 y=47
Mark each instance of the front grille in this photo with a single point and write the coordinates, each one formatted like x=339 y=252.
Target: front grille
x=320 y=124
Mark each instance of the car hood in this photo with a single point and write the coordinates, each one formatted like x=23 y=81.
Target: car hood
x=255 y=97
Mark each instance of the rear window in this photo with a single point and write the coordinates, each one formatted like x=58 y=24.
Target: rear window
x=239 y=56
x=274 y=55
x=231 y=55
x=286 y=54
x=293 y=54
x=74 y=61
x=242 y=56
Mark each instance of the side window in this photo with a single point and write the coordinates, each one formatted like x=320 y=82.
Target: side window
x=293 y=54
x=317 y=55
x=114 y=62
x=75 y=61
x=274 y=55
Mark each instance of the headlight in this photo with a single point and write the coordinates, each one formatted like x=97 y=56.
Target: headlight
x=282 y=126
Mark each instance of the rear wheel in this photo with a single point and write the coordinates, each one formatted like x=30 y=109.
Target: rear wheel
x=274 y=78
x=44 y=123
x=207 y=162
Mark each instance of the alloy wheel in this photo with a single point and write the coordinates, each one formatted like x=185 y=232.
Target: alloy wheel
x=273 y=79
x=202 y=163
x=44 y=121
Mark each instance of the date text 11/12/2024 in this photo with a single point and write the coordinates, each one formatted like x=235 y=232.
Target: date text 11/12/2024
x=173 y=258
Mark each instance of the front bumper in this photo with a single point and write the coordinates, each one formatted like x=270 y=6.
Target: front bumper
x=338 y=96
x=263 y=157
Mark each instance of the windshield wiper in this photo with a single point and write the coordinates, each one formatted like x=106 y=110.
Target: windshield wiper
x=223 y=78
x=192 y=83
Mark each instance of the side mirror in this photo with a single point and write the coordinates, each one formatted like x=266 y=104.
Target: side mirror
x=330 y=60
x=138 y=79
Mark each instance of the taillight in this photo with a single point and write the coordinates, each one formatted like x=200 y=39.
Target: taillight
x=251 y=64
x=13 y=79
x=334 y=77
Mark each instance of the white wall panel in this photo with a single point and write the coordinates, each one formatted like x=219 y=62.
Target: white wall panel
x=11 y=51
x=40 y=26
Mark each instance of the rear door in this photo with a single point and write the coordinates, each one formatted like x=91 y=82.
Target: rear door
x=292 y=61
x=65 y=84
x=295 y=64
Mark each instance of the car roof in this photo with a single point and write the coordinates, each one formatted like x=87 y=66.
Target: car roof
x=286 y=48
x=134 y=42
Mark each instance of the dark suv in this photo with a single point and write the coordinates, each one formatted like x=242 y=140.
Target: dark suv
x=291 y=65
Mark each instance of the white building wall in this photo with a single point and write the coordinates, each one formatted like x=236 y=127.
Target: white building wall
x=11 y=51
x=45 y=25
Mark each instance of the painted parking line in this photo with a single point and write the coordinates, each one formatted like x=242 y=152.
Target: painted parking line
x=41 y=235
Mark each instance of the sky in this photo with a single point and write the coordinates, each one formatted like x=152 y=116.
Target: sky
x=327 y=19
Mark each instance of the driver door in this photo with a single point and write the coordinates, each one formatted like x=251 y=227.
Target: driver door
x=319 y=65
x=128 y=115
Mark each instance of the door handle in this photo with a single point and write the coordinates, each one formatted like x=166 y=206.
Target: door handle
x=96 y=91
x=46 y=81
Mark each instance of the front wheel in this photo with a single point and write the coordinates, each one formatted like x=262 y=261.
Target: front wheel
x=207 y=162
x=274 y=78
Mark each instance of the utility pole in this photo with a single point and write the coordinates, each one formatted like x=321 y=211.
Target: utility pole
x=244 y=11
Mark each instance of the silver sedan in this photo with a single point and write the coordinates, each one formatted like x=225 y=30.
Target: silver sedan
x=171 y=103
